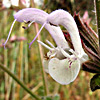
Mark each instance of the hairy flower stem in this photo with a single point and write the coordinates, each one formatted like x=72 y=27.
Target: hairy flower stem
x=4 y=68
x=97 y=7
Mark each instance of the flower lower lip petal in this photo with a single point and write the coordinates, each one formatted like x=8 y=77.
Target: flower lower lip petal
x=60 y=71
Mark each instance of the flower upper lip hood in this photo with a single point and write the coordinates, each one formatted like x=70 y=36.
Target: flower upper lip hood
x=31 y=14
x=39 y=16
x=61 y=17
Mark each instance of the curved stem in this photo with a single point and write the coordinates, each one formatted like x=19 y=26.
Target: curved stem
x=18 y=81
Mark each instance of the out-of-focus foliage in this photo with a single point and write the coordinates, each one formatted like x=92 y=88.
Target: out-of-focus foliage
x=69 y=5
x=58 y=4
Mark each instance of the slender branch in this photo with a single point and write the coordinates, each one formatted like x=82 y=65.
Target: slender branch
x=97 y=7
x=18 y=81
x=42 y=68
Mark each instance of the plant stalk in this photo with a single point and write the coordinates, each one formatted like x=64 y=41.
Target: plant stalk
x=42 y=68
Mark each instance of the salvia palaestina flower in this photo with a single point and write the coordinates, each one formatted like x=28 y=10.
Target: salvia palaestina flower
x=61 y=62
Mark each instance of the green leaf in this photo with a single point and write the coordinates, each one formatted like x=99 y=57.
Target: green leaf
x=95 y=82
x=48 y=98
x=55 y=97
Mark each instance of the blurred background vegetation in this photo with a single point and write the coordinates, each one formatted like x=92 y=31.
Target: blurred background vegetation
x=26 y=63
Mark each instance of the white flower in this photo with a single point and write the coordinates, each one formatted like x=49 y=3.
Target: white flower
x=61 y=62
x=71 y=59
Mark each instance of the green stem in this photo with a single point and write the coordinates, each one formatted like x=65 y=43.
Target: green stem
x=97 y=7
x=18 y=81
x=42 y=68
